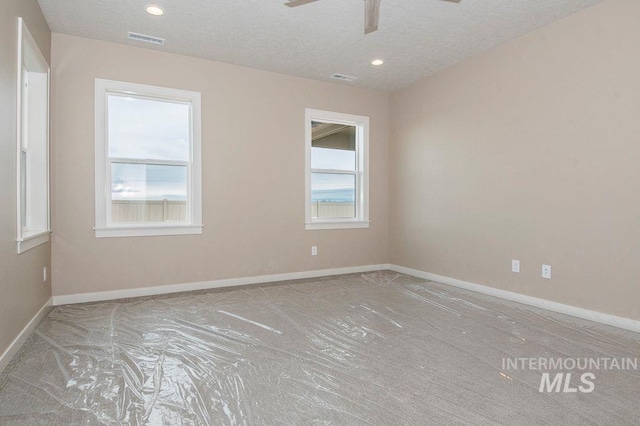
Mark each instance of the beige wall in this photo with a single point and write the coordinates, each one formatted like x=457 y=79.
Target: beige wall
x=22 y=291
x=529 y=151
x=253 y=173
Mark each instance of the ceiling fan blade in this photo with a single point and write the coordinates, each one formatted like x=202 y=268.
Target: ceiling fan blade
x=452 y=1
x=371 y=15
x=294 y=3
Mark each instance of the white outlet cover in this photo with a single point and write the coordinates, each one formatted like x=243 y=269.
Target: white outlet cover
x=515 y=266
x=314 y=250
x=546 y=271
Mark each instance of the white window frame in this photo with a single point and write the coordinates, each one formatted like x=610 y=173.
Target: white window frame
x=361 y=123
x=104 y=227
x=35 y=228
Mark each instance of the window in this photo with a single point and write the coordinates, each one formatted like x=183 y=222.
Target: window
x=148 y=176
x=32 y=143
x=336 y=179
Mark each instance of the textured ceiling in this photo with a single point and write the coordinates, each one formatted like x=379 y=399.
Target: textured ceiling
x=416 y=38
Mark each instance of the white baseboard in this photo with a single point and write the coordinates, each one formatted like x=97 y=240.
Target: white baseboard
x=599 y=317
x=205 y=285
x=612 y=320
x=17 y=343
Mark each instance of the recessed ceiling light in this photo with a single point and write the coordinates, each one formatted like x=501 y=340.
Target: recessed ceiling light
x=377 y=62
x=155 y=10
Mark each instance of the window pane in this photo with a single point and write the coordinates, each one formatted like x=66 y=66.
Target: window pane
x=332 y=159
x=333 y=146
x=23 y=189
x=148 y=193
x=333 y=195
x=147 y=129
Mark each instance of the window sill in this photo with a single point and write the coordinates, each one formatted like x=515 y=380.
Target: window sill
x=147 y=230
x=32 y=239
x=341 y=224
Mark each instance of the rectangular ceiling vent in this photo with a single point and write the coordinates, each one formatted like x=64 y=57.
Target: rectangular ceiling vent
x=343 y=77
x=146 y=38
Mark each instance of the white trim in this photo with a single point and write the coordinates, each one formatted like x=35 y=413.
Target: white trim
x=148 y=231
x=30 y=238
x=22 y=337
x=205 y=285
x=102 y=173
x=30 y=241
x=599 y=317
x=20 y=53
x=607 y=319
x=362 y=173
x=344 y=224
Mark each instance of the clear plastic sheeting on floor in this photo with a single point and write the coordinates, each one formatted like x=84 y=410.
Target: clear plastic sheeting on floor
x=378 y=348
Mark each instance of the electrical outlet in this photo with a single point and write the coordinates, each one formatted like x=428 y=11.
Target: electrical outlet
x=546 y=271
x=515 y=266
x=44 y=274
x=314 y=250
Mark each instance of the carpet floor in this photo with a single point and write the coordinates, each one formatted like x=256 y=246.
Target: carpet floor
x=378 y=348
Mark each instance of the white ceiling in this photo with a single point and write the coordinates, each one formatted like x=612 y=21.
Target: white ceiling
x=416 y=38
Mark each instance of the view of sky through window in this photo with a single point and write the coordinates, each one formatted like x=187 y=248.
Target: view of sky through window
x=147 y=129
x=130 y=181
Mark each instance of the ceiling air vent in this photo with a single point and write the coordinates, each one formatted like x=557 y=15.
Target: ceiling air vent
x=343 y=77
x=146 y=38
